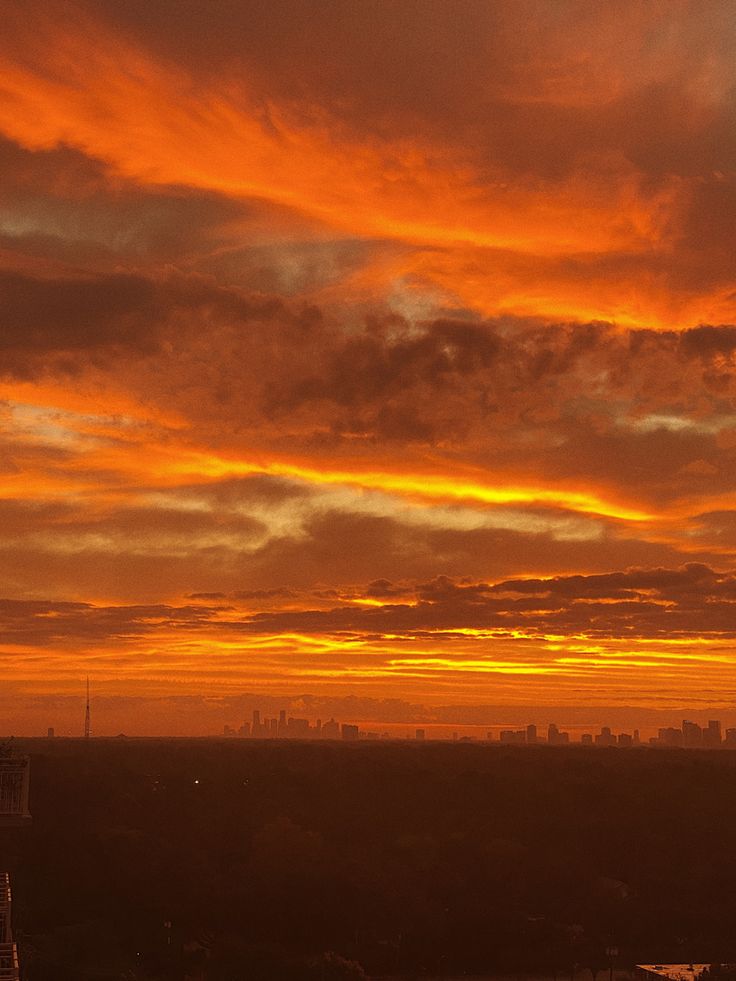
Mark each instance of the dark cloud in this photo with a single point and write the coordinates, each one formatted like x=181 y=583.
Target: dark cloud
x=264 y=594
x=122 y=313
x=40 y=623
x=66 y=315
x=376 y=366
x=688 y=602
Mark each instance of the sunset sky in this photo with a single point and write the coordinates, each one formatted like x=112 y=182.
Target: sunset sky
x=376 y=352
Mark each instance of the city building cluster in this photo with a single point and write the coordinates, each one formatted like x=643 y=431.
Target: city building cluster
x=285 y=727
x=531 y=737
x=690 y=735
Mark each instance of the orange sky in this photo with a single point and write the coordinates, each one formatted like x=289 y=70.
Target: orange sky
x=381 y=353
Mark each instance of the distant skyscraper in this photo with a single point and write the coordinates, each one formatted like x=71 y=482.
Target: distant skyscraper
x=298 y=728
x=331 y=730
x=605 y=737
x=712 y=735
x=670 y=736
x=513 y=737
x=554 y=736
x=531 y=734
x=350 y=732
x=87 y=718
x=50 y=732
x=419 y=734
x=692 y=735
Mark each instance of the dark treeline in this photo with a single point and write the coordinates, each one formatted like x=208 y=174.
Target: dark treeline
x=233 y=860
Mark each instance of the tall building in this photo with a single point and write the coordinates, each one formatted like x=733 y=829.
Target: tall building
x=14 y=789
x=298 y=728
x=6 y=934
x=555 y=737
x=669 y=736
x=605 y=737
x=531 y=734
x=350 y=733
x=331 y=730
x=712 y=735
x=513 y=737
x=9 y=967
x=692 y=735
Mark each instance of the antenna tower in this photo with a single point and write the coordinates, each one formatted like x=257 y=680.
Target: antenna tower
x=87 y=721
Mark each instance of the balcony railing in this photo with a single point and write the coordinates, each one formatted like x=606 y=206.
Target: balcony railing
x=9 y=969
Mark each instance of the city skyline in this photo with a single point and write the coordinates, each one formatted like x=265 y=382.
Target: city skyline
x=377 y=350
x=309 y=724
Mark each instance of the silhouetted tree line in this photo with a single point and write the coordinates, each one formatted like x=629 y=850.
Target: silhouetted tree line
x=229 y=861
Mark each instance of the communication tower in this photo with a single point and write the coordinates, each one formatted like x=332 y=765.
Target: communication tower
x=87 y=720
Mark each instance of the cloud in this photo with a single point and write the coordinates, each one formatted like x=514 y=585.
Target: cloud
x=119 y=313
x=38 y=622
x=693 y=601
x=455 y=133
x=436 y=298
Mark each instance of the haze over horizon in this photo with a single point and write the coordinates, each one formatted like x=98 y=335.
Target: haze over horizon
x=378 y=351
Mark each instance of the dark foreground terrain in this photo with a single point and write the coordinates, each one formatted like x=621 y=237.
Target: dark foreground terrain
x=233 y=860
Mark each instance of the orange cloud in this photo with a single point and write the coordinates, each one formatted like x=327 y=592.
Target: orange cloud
x=438 y=301
x=499 y=240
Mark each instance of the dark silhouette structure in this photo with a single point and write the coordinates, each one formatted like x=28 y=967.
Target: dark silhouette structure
x=87 y=717
x=14 y=812
x=14 y=788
